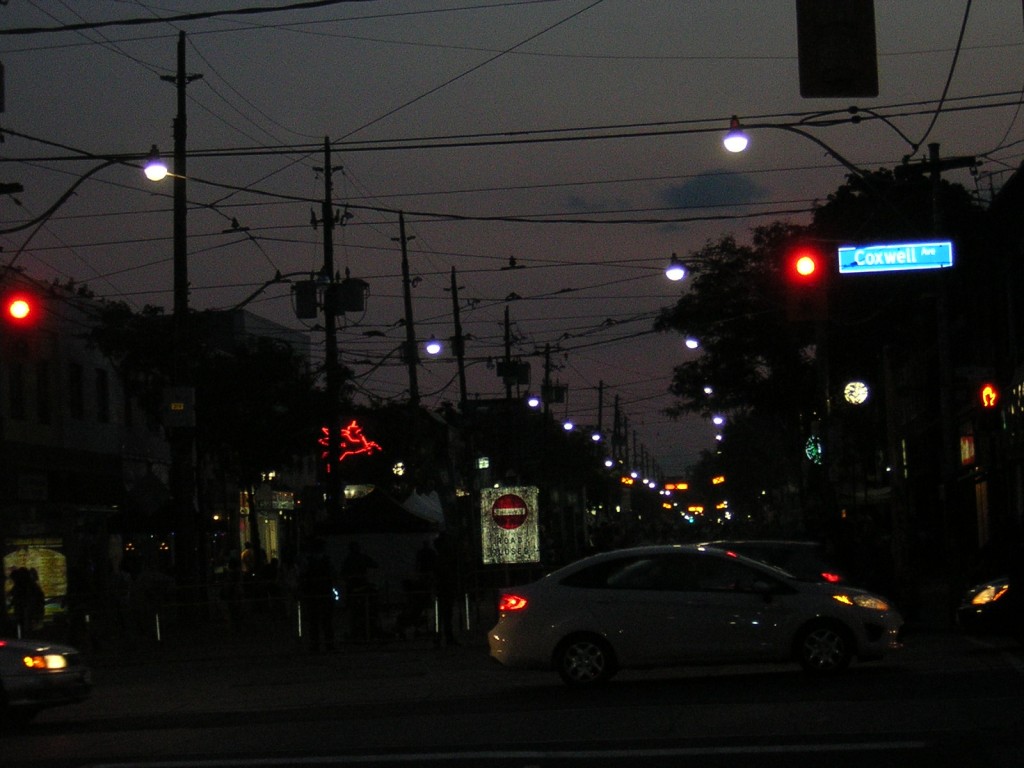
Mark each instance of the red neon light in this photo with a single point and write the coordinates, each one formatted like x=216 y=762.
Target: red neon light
x=353 y=443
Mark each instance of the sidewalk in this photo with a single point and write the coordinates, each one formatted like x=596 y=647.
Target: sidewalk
x=262 y=638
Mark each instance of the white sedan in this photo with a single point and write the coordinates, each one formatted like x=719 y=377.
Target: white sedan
x=35 y=675
x=676 y=604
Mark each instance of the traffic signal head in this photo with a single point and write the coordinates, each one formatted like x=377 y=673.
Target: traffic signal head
x=805 y=276
x=19 y=309
x=805 y=265
x=989 y=395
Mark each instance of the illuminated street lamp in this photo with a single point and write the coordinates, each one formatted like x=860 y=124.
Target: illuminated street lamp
x=676 y=270
x=432 y=347
x=155 y=168
x=736 y=140
x=691 y=343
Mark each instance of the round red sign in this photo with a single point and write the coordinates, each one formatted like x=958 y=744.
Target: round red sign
x=509 y=511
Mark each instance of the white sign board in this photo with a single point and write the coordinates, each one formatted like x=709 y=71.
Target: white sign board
x=508 y=525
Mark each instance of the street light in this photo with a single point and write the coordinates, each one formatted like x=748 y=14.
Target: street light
x=735 y=140
x=155 y=168
x=676 y=270
x=432 y=347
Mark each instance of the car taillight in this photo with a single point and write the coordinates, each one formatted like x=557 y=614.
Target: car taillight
x=511 y=603
x=831 y=578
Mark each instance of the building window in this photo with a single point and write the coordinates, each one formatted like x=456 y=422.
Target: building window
x=44 y=393
x=102 y=396
x=76 y=391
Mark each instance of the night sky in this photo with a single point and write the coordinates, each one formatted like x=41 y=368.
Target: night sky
x=581 y=138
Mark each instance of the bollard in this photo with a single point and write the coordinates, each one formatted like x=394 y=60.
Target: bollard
x=465 y=600
x=158 y=638
x=298 y=613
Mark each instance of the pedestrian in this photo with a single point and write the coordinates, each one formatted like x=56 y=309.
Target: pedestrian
x=446 y=575
x=248 y=558
x=316 y=593
x=27 y=601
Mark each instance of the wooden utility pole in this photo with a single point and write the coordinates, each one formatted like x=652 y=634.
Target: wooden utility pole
x=332 y=370
x=412 y=356
x=459 y=343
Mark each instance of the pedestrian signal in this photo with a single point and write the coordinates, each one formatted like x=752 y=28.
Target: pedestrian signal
x=989 y=396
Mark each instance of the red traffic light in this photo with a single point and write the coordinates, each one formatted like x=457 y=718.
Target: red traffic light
x=805 y=264
x=19 y=309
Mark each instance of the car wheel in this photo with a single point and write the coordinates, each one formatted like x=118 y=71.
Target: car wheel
x=824 y=648
x=583 y=659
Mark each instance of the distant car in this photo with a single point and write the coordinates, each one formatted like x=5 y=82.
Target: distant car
x=36 y=675
x=672 y=605
x=806 y=560
x=991 y=608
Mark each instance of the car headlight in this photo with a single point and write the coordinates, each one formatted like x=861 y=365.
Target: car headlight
x=45 y=661
x=870 y=602
x=990 y=593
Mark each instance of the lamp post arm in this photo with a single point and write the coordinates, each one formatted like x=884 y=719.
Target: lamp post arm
x=828 y=149
x=859 y=173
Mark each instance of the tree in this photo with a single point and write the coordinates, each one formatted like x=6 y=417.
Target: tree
x=257 y=404
x=753 y=365
x=776 y=379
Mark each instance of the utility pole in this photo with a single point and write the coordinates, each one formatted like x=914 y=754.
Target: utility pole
x=616 y=431
x=181 y=408
x=508 y=356
x=459 y=344
x=332 y=371
x=548 y=393
x=949 y=448
x=412 y=356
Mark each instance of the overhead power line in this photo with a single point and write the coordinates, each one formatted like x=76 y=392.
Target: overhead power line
x=136 y=22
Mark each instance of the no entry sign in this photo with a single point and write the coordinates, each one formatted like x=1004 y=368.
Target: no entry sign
x=509 y=511
x=508 y=524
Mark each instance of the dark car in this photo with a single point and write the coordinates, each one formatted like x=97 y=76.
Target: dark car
x=806 y=560
x=991 y=608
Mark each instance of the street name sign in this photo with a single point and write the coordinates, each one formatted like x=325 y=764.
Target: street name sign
x=899 y=257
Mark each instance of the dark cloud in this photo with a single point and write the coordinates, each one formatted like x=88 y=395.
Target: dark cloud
x=714 y=188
